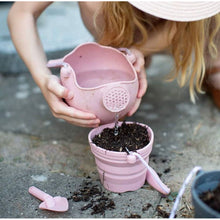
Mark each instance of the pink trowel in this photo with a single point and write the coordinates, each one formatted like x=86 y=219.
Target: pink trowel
x=56 y=204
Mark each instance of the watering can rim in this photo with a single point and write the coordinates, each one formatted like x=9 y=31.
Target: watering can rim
x=103 y=85
x=111 y=85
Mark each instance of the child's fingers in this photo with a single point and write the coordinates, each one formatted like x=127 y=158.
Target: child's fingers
x=74 y=116
x=135 y=107
x=142 y=78
x=139 y=66
x=55 y=87
x=60 y=108
x=81 y=122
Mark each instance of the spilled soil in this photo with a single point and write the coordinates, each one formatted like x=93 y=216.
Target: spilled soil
x=97 y=200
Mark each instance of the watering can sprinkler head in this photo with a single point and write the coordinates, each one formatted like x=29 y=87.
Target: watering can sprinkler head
x=116 y=99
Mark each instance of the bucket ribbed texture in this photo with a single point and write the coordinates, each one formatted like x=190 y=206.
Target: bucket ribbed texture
x=116 y=174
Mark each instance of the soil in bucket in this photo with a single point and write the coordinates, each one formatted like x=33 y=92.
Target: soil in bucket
x=212 y=198
x=132 y=136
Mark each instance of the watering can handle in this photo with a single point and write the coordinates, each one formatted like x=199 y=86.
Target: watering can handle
x=130 y=56
x=55 y=63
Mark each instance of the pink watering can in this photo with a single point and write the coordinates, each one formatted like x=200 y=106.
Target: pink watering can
x=103 y=80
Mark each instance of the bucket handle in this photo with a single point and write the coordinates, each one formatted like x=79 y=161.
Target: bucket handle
x=151 y=176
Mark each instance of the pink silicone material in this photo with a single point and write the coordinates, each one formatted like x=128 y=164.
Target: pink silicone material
x=38 y=193
x=154 y=180
x=120 y=172
x=94 y=58
x=61 y=205
x=55 y=63
x=57 y=204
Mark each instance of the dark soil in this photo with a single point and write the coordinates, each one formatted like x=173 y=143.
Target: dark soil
x=133 y=215
x=146 y=207
x=133 y=136
x=97 y=200
x=212 y=198
x=161 y=212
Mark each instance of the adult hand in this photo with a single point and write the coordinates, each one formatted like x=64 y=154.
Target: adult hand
x=139 y=66
x=54 y=94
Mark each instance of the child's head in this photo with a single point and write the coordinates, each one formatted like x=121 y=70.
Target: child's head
x=191 y=45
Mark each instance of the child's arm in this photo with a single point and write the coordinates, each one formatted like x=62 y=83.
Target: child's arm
x=22 y=24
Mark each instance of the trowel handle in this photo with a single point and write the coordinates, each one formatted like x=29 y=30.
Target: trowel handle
x=38 y=193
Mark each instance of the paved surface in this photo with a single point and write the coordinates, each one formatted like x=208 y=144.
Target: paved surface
x=58 y=29
x=38 y=149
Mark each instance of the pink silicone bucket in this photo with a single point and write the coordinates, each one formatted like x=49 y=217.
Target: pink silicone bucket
x=120 y=172
x=102 y=79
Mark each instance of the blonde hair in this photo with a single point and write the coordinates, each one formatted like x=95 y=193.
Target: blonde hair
x=191 y=45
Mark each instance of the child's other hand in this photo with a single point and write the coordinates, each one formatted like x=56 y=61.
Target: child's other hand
x=54 y=93
x=139 y=66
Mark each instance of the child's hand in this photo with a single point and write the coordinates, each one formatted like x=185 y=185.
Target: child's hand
x=139 y=66
x=54 y=93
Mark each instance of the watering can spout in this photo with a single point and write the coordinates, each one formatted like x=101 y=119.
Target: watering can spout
x=55 y=63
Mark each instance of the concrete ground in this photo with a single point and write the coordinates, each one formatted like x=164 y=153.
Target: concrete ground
x=38 y=149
